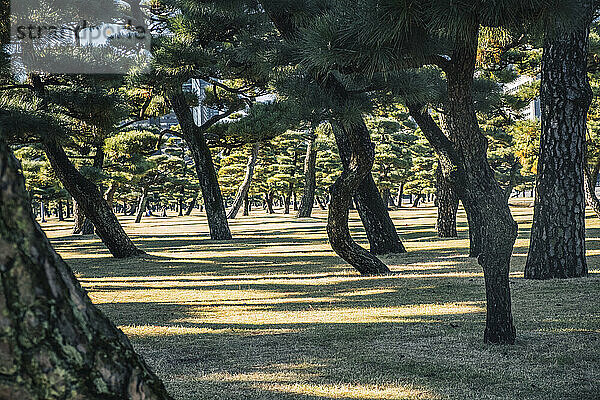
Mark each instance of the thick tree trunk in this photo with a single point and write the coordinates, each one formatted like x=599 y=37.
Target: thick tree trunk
x=310 y=179
x=55 y=343
x=207 y=175
x=242 y=193
x=447 y=203
x=269 y=202
x=589 y=181
x=373 y=212
x=464 y=162
x=91 y=202
x=141 y=208
x=557 y=245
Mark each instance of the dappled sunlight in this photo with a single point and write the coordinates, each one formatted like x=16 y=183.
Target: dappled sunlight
x=275 y=314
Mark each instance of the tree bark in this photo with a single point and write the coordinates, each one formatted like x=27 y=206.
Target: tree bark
x=79 y=219
x=447 y=203
x=91 y=202
x=246 y=210
x=139 y=213
x=464 y=162
x=109 y=195
x=55 y=344
x=205 y=169
x=59 y=210
x=379 y=227
x=192 y=205
x=242 y=193
x=310 y=179
x=269 y=202
x=557 y=245
x=400 y=195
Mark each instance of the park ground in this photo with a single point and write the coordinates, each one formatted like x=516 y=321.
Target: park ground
x=275 y=314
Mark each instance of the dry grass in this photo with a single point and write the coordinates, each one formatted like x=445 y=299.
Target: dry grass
x=274 y=314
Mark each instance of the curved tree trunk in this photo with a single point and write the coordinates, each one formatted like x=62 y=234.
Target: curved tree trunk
x=205 y=169
x=242 y=193
x=65 y=348
x=91 y=202
x=360 y=156
x=373 y=212
x=447 y=203
x=310 y=179
x=464 y=162
x=557 y=245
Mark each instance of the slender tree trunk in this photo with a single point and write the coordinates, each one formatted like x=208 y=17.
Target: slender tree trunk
x=207 y=175
x=310 y=179
x=141 y=206
x=373 y=212
x=59 y=207
x=242 y=193
x=246 y=210
x=400 y=195
x=417 y=200
x=42 y=211
x=386 y=197
x=68 y=207
x=590 y=180
x=557 y=245
x=464 y=162
x=447 y=203
x=192 y=205
x=79 y=219
x=180 y=207
x=361 y=151
x=109 y=195
x=55 y=343
x=321 y=203
x=91 y=202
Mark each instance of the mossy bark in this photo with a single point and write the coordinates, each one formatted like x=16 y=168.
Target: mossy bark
x=54 y=343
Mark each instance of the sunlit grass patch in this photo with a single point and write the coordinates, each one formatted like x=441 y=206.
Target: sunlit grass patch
x=275 y=314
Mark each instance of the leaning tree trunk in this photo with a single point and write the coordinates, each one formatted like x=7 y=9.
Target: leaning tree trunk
x=139 y=213
x=590 y=179
x=91 y=202
x=242 y=193
x=464 y=162
x=557 y=245
x=109 y=195
x=447 y=202
x=310 y=179
x=205 y=169
x=381 y=232
x=361 y=156
x=55 y=344
x=192 y=205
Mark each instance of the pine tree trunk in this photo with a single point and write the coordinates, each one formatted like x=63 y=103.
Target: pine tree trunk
x=287 y=200
x=379 y=227
x=42 y=211
x=589 y=181
x=79 y=219
x=464 y=161
x=557 y=245
x=141 y=208
x=192 y=205
x=242 y=193
x=269 y=202
x=447 y=203
x=68 y=207
x=59 y=207
x=417 y=200
x=91 y=202
x=246 y=211
x=109 y=195
x=321 y=203
x=207 y=175
x=360 y=150
x=400 y=195
x=180 y=207
x=310 y=179
x=55 y=343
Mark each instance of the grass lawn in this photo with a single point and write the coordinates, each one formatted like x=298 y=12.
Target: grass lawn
x=275 y=314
